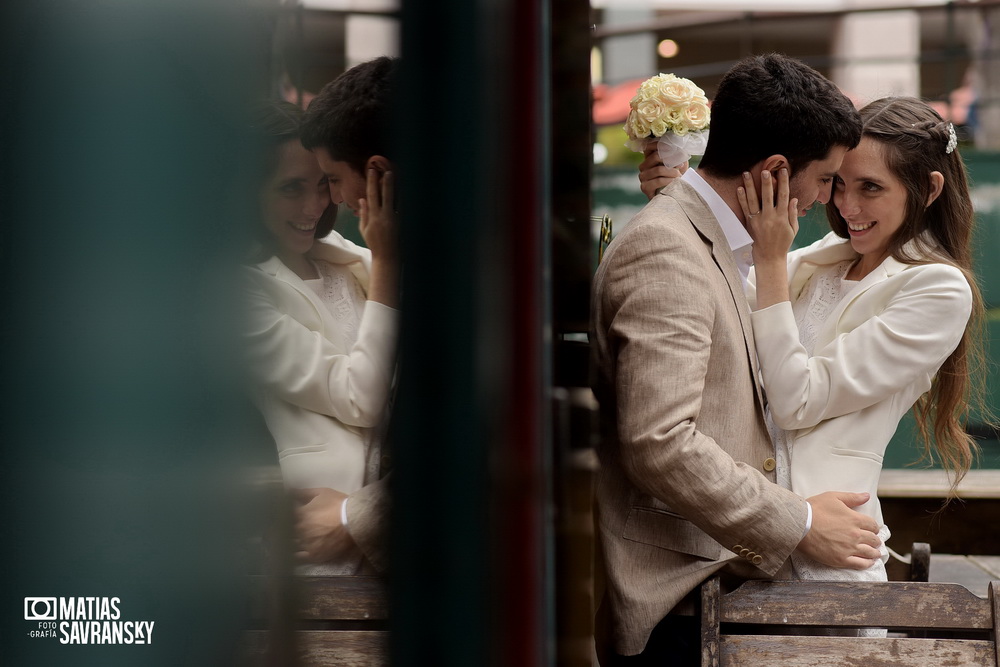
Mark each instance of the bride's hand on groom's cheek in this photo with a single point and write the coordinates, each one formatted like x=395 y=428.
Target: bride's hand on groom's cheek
x=377 y=216
x=654 y=176
x=772 y=218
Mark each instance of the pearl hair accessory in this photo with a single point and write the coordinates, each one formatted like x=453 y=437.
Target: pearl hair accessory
x=952 y=139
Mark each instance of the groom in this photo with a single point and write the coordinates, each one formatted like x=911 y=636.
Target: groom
x=686 y=487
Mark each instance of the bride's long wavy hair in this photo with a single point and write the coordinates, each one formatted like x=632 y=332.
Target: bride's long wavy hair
x=914 y=139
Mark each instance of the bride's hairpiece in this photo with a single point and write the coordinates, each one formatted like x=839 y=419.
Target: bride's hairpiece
x=952 y=139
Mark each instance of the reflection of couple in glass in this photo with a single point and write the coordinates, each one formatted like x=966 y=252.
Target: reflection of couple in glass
x=745 y=437
x=324 y=313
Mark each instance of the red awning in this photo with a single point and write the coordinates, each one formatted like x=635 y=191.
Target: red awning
x=611 y=102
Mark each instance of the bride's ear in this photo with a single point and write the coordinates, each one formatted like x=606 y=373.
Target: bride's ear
x=937 y=187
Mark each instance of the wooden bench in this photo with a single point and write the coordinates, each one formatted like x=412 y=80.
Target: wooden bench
x=340 y=620
x=915 y=566
x=966 y=626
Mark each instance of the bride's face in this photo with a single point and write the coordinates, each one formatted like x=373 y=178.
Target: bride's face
x=293 y=199
x=870 y=198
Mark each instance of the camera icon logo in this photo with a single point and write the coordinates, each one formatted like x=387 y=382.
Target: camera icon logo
x=40 y=609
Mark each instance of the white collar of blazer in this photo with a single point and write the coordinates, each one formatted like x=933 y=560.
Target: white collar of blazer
x=334 y=249
x=832 y=249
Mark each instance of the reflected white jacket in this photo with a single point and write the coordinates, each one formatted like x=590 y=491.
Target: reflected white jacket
x=874 y=357
x=319 y=397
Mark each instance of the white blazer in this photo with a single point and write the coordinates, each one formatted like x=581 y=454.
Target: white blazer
x=319 y=397
x=874 y=357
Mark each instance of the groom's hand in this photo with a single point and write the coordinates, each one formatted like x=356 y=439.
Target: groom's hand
x=319 y=532
x=841 y=537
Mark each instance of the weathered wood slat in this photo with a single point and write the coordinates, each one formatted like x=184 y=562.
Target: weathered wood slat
x=342 y=598
x=329 y=598
x=710 y=618
x=344 y=648
x=994 y=599
x=894 y=604
x=793 y=651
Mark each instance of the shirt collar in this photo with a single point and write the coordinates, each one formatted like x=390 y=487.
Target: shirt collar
x=736 y=234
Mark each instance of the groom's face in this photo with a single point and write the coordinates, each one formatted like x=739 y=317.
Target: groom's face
x=814 y=183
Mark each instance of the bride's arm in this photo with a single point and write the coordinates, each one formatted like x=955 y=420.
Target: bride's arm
x=654 y=175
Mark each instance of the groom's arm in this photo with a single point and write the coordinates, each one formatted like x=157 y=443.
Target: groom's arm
x=330 y=524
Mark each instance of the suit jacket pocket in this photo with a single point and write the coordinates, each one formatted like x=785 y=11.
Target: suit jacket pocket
x=665 y=530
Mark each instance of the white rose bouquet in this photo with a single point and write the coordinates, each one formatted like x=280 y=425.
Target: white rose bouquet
x=673 y=112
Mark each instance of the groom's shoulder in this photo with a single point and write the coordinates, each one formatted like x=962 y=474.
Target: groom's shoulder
x=662 y=227
x=668 y=212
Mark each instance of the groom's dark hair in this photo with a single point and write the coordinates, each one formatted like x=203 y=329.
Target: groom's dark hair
x=350 y=117
x=774 y=104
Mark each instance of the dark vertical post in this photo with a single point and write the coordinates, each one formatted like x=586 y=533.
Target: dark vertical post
x=572 y=248
x=469 y=571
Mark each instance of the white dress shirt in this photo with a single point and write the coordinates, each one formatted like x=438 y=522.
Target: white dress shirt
x=736 y=234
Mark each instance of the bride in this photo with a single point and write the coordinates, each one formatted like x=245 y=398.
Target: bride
x=323 y=316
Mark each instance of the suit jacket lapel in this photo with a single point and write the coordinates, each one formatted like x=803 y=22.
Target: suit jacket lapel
x=704 y=221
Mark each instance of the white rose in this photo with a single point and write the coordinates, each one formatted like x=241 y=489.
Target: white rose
x=648 y=90
x=659 y=128
x=652 y=110
x=696 y=116
x=675 y=120
x=677 y=91
x=636 y=127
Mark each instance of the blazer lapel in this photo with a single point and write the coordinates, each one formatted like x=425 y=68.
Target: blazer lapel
x=836 y=253
x=335 y=249
x=275 y=267
x=704 y=221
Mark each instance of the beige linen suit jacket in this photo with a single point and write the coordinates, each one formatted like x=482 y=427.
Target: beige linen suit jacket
x=684 y=488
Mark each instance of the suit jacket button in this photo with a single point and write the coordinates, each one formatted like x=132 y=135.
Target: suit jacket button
x=769 y=464
x=757 y=560
x=385 y=463
x=737 y=548
x=745 y=553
